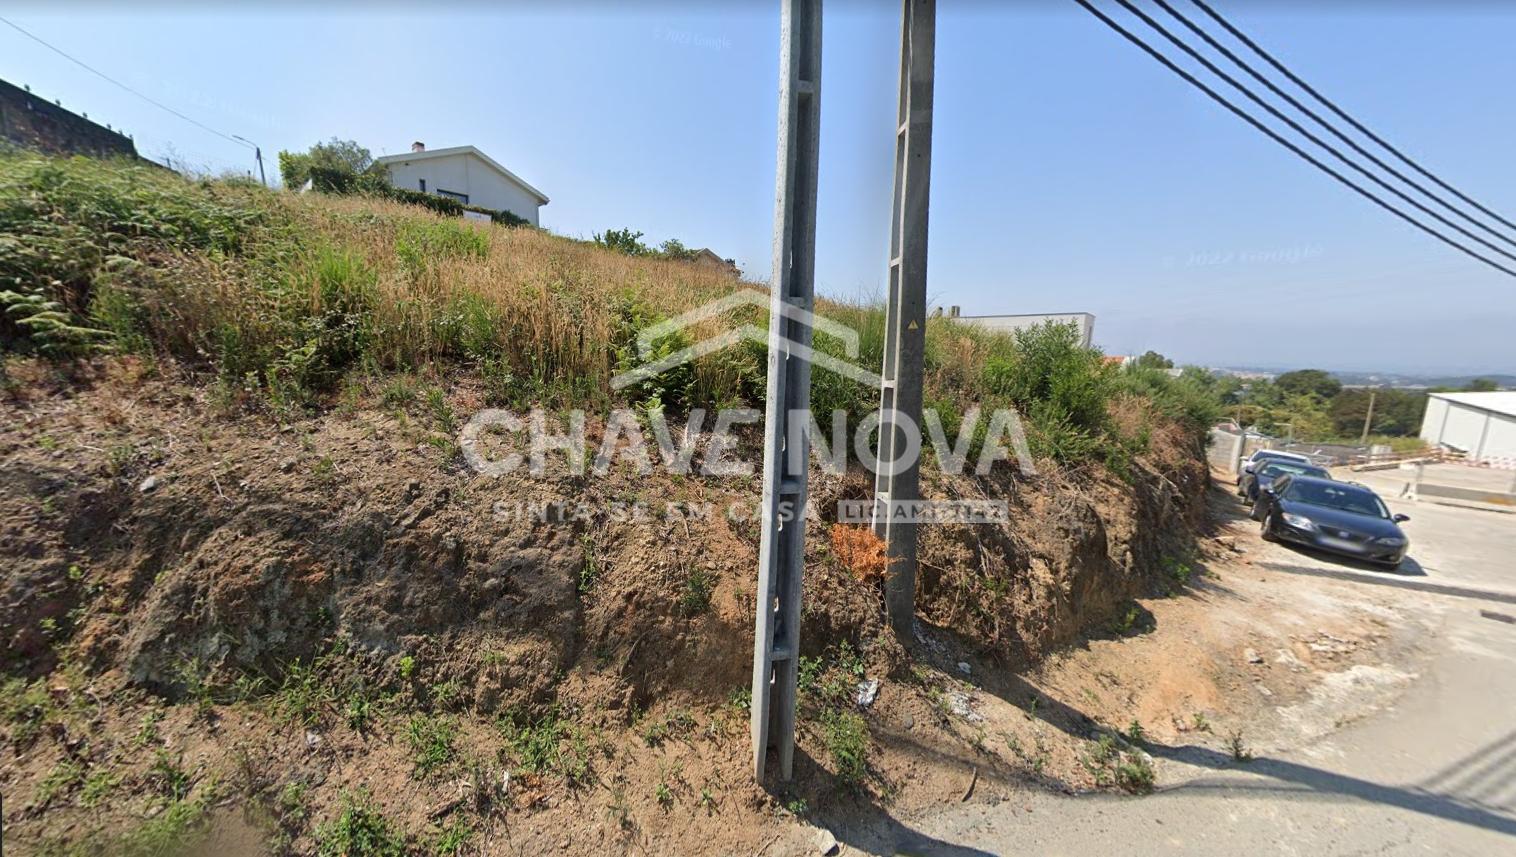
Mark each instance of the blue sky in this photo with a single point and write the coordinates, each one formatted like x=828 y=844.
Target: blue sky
x=1070 y=172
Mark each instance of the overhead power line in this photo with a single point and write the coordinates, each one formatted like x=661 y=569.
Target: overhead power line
x=103 y=76
x=1242 y=37
x=1351 y=143
x=1299 y=129
x=1276 y=137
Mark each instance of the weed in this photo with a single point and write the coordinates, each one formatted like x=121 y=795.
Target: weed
x=664 y=795
x=302 y=696
x=358 y=712
x=741 y=699
x=695 y=594
x=360 y=829
x=1177 y=571
x=431 y=742
x=1131 y=618
x=1136 y=734
x=324 y=470
x=1200 y=723
x=1135 y=774
x=796 y=806
x=98 y=786
x=400 y=392
x=1238 y=748
x=169 y=830
x=707 y=800
x=147 y=730
x=171 y=780
x=407 y=665
x=26 y=707
x=442 y=413
x=546 y=744
x=589 y=571
x=1110 y=765
x=846 y=737
x=59 y=781
x=1036 y=760
x=618 y=810
x=454 y=839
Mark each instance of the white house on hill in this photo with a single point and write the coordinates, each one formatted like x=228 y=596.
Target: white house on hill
x=466 y=174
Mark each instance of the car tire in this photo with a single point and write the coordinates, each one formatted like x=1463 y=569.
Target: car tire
x=1266 y=529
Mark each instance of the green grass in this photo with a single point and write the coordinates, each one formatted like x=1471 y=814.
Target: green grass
x=283 y=296
x=359 y=830
x=431 y=740
x=546 y=743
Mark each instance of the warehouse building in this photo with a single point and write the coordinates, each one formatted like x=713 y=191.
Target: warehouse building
x=1083 y=322
x=1483 y=425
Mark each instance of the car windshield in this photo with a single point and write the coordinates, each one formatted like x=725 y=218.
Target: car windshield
x=1346 y=498
x=1279 y=468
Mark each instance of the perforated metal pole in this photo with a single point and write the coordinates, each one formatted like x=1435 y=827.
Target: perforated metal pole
x=781 y=552
x=905 y=322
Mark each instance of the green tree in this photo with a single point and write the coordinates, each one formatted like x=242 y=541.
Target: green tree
x=1481 y=385
x=623 y=241
x=343 y=156
x=675 y=249
x=1154 y=360
x=1309 y=382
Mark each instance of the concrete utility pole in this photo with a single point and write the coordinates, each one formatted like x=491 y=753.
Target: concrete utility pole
x=905 y=323
x=1368 y=418
x=257 y=154
x=781 y=551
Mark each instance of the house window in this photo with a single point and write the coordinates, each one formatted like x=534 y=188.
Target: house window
x=423 y=185
x=461 y=197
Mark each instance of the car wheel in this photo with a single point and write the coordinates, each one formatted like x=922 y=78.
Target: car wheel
x=1267 y=528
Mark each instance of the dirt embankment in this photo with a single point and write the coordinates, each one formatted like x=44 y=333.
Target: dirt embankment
x=169 y=558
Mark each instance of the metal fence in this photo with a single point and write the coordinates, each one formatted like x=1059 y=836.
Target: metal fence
x=1223 y=453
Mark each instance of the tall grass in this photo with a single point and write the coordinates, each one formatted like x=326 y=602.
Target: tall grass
x=283 y=294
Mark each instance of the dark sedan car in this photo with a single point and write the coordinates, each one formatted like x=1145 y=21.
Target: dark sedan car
x=1340 y=517
x=1266 y=472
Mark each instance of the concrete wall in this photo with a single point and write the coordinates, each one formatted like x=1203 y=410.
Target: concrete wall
x=1012 y=323
x=33 y=122
x=466 y=173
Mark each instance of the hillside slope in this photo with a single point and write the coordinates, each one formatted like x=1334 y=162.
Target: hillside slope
x=253 y=592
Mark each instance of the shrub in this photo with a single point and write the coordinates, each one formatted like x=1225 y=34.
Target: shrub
x=623 y=241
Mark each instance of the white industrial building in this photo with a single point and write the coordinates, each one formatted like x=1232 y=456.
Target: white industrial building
x=466 y=174
x=1009 y=324
x=1482 y=425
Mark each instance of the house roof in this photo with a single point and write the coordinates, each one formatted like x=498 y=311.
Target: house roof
x=1503 y=403
x=406 y=157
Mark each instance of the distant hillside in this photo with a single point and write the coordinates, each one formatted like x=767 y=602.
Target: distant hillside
x=1384 y=379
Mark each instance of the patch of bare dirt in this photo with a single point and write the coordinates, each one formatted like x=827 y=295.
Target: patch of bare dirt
x=247 y=625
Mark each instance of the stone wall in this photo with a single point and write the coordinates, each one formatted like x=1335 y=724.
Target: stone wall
x=33 y=122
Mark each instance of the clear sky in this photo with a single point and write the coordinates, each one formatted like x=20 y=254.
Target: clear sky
x=1070 y=172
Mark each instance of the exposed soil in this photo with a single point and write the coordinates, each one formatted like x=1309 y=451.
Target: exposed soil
x=213 y=594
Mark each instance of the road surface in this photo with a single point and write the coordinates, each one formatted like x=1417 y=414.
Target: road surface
x=1435 y=773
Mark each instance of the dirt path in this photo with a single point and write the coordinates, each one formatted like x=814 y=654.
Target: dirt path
x=1377 y=710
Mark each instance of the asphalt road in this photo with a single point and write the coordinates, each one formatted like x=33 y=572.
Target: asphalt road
x=1433 y=774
